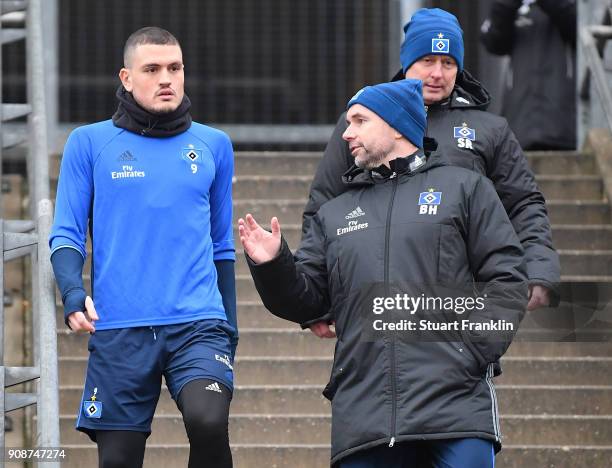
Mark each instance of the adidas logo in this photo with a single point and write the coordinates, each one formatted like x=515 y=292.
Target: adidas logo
x=126 y=156
x=356 y=213
x=213 y=387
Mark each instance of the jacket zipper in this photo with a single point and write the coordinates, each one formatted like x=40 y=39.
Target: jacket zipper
x=392 y=344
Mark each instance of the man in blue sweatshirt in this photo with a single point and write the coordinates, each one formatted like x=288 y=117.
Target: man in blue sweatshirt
x=155 y=191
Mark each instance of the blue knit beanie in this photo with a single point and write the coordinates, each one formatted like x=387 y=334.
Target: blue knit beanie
x=400 y=104
x=432 y=31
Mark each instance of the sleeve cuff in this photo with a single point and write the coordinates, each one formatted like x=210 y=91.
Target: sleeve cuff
x=327 y=318
x=74 y=301
x=553 y=290
x=55 y=246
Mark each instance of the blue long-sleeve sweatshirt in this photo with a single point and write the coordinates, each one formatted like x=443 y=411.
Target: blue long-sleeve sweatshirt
x=161 y=218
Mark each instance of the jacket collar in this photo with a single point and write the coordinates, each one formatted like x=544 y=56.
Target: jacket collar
x=400 y=167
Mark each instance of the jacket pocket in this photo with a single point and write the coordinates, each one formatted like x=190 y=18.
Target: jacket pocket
x=332 y=386
x=337 y=374
x=464 y=355
x=337 y=296
x=453 y=263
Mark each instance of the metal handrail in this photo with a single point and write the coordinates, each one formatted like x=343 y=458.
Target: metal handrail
x=589 y=36
x=23 y=237
x=48 y=428
x=593 y=39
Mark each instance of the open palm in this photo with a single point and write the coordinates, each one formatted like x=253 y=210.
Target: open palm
x=259 y=244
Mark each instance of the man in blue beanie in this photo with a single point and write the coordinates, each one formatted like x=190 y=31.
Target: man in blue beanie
x=399 y=399
x=400 y=105
x=433 y=49
x=467 y=136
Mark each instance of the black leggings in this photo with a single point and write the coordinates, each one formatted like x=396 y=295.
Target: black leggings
x=205 y=414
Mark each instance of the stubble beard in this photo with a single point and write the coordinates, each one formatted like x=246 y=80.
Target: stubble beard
x=160 y=110
x=164 y=110
x=373 y=159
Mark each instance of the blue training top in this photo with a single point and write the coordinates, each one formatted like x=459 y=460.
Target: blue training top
x=162 y=213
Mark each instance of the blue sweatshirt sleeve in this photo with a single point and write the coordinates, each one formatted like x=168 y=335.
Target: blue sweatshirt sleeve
x=221 y=203
x=74 y=195
x=226 y=282
x=68 y=268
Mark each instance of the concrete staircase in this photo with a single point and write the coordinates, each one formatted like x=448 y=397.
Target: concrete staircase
x=555 y=398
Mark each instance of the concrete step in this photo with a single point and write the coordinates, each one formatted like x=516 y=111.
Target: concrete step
x=573 y=262
x=565 y=236
x=574 y=237
x=571 y=187
x=565 y=456
x=559 y=350
x=555 y=371
x=244 y=456
x=291 y=370
x=581 y=237
x=586 y=262
x=554 y=399
x=298 y=370
x=315 y=429
x=307 y=399
x=289 y=211
x=559 y=187
x=306 y=162
x=276 y=163
x=290 y=163
x=317 y=456
x=579 y=243
x=578 y=211
x=586 y=279
x=262 y=186
x=570 y=162
x=556 y=429
x=252 y=314
x=295 y=342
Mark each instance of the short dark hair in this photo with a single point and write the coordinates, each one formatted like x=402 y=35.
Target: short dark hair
x=147 y=35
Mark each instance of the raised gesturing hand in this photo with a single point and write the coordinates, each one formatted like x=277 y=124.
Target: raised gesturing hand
x=259 y=244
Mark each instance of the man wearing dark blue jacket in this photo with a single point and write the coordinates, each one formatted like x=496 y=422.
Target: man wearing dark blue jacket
x=409 y=229
x=468 y=136
x=155 y=191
